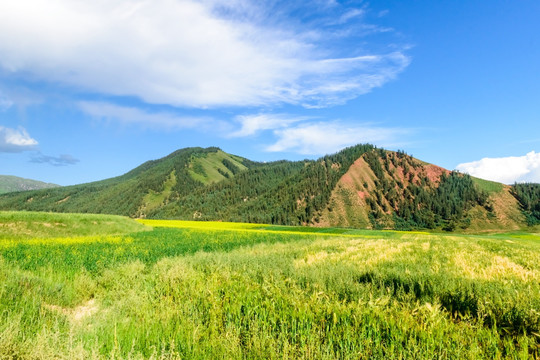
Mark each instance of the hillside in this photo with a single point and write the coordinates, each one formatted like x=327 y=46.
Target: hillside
x=151 y=185
x=13 y=183
x=361 y=186
x=397 y=191
x=372 y=187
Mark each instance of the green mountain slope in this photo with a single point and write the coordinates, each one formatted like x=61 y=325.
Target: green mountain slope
x=361 y=186
x=281 y=192
x=528 y=196
x=213 y=167
x=148 y=186
x=13 y=183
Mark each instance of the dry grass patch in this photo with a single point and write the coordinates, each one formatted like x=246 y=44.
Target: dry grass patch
x=77 y=314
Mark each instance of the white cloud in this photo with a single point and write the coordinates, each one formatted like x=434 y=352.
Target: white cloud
x=325 y=138
x=15 y=140
x=186 y=52
x=506 y=170
x=135 y=116
x=253 y=124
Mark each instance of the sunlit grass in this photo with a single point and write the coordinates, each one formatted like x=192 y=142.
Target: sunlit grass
x=275 y=229
x=186 y=224
x=201 y=290
x=28 y=225
x=78 y=240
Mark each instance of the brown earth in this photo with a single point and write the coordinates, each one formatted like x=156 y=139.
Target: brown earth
x=347 y=201
x=349 y=207
x=434 y=173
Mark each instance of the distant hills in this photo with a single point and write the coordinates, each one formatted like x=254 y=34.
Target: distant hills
x=13 y=183
x=361 y=186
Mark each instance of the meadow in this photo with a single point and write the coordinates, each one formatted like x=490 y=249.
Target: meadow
x=104 y=287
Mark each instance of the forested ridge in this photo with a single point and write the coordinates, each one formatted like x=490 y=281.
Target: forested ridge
x=283 y=192
x=528 y=195
x=406 y=195
x=122 y=195
x=393 y=190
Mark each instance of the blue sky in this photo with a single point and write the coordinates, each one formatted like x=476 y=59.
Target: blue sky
x=90 y=90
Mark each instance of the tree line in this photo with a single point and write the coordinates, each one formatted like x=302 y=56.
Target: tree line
x=528 y=196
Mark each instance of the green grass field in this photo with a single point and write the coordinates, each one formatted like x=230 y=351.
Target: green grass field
x=197 y=290
x=488 y=186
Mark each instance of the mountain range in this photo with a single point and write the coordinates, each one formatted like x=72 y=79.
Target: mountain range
x=10 y=183
x=361 y=186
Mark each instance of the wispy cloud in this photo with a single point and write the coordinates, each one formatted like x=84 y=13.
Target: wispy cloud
x=16 y=140
x=351 y=14
x=156 y=120
x=505 y=169
x=311 y=136
x=324 y=138
x=346 y=78
x=5 y=103
x=253 y=124
x=193 y=53
x=62 y=160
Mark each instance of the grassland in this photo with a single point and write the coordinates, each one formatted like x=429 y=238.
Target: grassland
x=210 y=168
x=17 y=225
x=223 y=290
x=488 y=186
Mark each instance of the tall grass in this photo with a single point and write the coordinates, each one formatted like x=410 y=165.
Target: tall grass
x=202 y=293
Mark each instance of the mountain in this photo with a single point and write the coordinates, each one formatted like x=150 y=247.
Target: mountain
x=13 y=183
x=361 y=186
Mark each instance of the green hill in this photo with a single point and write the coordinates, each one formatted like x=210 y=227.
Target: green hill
x=361 y=186
x=13 y=183
x=145 y=187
